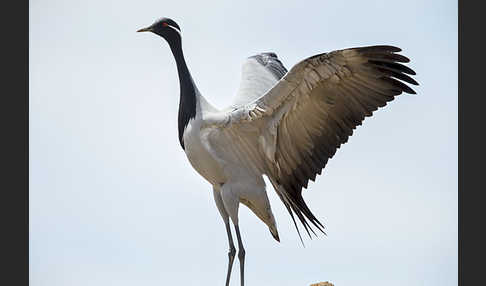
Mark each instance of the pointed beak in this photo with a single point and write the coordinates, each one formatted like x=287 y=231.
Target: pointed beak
x=148 y=29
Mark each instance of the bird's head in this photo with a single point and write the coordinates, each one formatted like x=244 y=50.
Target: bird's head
x=166 y=28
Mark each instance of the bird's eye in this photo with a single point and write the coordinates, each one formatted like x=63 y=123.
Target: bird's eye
x=164 y=24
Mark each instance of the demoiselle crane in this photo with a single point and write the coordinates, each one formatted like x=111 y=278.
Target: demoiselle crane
x=282 y=124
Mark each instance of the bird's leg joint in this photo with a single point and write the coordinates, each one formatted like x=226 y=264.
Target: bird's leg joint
x=241 y=254
x=232 y=252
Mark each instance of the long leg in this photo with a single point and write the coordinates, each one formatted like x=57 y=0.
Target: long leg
x=241 y=256
x=225 y=216
x=231 y=202
x=231 y=253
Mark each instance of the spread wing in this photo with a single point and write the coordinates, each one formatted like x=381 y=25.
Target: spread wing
x=259 y=73
x=312 y=110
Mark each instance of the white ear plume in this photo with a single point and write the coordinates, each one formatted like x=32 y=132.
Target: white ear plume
x=175 y=28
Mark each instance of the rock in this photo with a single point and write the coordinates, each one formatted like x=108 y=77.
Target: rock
x=322 y=284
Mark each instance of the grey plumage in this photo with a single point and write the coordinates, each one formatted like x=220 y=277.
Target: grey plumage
x=271 y=62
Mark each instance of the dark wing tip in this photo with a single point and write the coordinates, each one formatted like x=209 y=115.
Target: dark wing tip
x=399 y=85
x=270 y=54
x=264 y=56
x=383 y=59
x=379 y=48
x=271 y=62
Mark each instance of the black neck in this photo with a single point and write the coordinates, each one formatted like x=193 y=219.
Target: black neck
x=187 y=102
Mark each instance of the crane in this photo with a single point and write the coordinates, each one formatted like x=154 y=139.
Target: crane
x=282 y=124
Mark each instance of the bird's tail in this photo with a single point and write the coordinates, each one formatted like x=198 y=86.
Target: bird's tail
x=291 y=206
x=274 y=232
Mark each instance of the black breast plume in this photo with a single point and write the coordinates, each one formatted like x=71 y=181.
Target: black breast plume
x=187 y=107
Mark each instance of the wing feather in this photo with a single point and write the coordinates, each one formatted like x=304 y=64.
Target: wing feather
x=312 y=110
x=258 y=74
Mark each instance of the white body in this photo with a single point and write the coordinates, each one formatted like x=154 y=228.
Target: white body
x=233 y=181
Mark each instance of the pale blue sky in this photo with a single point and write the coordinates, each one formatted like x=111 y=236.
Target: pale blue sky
x=114 y=201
